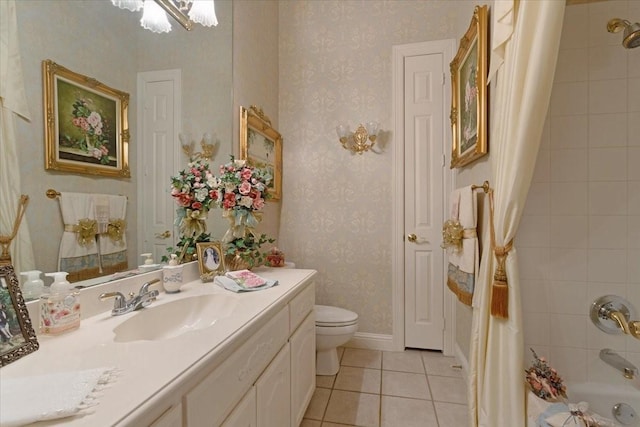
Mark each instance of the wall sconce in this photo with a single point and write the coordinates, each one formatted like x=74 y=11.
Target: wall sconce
x=359 y=141
x=208 y=143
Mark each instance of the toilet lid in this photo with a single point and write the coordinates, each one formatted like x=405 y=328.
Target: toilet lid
x=334 y=316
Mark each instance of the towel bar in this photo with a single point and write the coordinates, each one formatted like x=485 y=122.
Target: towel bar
x=485 y=187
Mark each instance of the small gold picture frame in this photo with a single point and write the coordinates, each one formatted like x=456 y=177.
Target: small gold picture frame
x=210 y=260
x=17 y=336
x=469 y=93
x=261 y=147
x=86 y=129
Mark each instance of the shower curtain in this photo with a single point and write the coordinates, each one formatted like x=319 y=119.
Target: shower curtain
x=525 y=42
x=12 y=102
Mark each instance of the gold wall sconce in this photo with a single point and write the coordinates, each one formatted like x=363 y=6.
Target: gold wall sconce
x=359 y=141
x=208 y=143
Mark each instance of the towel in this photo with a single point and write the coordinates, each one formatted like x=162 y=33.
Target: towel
x=463 y=259
x=112 y=240
x=563 y=415
x=30 y=399
x=78 y=254
x=233 y=286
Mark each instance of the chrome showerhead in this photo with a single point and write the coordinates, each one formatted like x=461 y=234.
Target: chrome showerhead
x=631 y=34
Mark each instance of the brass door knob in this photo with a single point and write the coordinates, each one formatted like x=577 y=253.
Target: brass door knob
x=164 y=235
x=412 y=238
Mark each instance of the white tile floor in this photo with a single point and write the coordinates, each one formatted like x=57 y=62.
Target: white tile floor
x=390 y=389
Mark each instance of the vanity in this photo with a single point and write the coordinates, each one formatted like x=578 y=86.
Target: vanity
x=250 y=363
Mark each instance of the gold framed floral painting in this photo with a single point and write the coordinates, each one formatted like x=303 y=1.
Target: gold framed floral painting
x=86 y=129
x=469 y=93
x=261 y=147
x=17 y=336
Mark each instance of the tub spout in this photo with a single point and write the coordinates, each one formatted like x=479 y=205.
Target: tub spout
x=612 y=358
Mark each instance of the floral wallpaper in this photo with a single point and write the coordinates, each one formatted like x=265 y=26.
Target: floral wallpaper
x=335 y=65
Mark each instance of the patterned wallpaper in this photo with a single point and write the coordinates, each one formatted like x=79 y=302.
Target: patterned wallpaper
x=335 y=65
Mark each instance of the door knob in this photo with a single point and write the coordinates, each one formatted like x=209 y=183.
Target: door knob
x=164 y=235
x=412 y=238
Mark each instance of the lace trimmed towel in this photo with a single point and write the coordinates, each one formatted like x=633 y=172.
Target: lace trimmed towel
x=47 y=397
x=233 y=286
x=464 y=260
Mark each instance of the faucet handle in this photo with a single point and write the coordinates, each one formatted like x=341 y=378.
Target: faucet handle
x=144 y=289
x=621 y=320
x=119 y=302
x=634 y=328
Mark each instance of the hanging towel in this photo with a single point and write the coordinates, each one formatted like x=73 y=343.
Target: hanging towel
x=464 y=257
x=111 y=211
x=78 y=253
x=30 y=399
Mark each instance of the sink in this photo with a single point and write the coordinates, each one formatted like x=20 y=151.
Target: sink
x=175 y=318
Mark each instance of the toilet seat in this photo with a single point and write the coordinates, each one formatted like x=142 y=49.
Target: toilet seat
x=328 y=316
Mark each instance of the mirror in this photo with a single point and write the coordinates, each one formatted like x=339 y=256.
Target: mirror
x=99 y=40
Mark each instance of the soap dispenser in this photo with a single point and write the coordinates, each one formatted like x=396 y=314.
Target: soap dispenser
x=59 y=310
x=33 y=287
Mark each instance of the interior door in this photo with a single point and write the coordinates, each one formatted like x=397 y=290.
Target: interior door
x=424 y=200
x=159 y=121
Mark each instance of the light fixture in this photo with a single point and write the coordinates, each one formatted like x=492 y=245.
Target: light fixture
x=209 y=144
x=186 y=12
x=359 y=141
x=154 y=18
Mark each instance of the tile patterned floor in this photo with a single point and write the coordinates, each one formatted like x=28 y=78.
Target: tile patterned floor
x=390 y=389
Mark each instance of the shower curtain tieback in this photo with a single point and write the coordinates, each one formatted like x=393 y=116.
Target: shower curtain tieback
x=500 y=286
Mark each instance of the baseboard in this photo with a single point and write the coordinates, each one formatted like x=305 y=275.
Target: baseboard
x=459 y=355
x=371 y=341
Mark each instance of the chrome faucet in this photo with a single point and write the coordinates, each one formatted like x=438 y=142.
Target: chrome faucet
x=612 y=358
x=135 y=302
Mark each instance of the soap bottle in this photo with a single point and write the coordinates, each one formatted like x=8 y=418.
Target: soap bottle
x=60 y=309
x=33 y=287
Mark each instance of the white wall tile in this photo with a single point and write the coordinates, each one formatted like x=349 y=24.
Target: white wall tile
x=633 y=267
x=608 y=198
x=534 y=295
x=607 y=265
x=568 y=199
x=572 y=65
x=599 y=15
x=569 y=99
x=570 y=362
x=633 y=64
x=568 y=330
x=543 y=165
x=575 y=29
x=569 y=131
x=607 y=62
x=633 y=133
x=568 y=231
x=569 y=165
x=607 y=164
x=633 y=162
x=533 y=262
x=607 y=232
x=597 y=289
x=607 y=96
x=634 y=95
x=608 y=130
x=567 y=264
x=633 y=197
x=536 y=328
x=633 y=232
x=597 y=339
x=567 y=297
x=533 y=231
x=538 y=199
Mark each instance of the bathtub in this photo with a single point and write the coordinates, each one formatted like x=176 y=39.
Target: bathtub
x=602 y=397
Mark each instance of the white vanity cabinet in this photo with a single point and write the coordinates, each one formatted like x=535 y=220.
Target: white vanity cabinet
x=272 y=375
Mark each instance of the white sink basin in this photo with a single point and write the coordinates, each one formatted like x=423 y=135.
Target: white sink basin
x=175 y=318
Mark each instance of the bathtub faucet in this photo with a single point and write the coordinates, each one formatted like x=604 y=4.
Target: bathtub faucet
x=612 y=358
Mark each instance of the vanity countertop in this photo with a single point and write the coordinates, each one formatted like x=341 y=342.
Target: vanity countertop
x=151 y=370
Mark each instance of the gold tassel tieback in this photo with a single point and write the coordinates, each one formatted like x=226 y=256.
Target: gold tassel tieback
x=500 y=286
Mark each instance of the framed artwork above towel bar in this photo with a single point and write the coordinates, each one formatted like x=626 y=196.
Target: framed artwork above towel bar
x=469 y=70
x=86 y=128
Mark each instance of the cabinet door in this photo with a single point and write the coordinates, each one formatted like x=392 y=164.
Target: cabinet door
x=243 y=415
x=273 y=392
x=171 y=418
x=303 y=368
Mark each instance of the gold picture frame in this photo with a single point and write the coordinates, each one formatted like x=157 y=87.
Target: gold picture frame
x=17 y=336
x=469 y=70
x=85 y=124
x=261 y=146
x=210 y=260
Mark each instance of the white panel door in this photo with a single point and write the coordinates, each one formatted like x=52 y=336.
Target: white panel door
x=424 y=200
x=159 y=93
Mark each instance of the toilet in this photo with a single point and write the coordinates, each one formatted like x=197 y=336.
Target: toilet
x=334 y=327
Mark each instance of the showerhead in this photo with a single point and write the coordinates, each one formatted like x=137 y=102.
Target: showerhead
x=631 y=34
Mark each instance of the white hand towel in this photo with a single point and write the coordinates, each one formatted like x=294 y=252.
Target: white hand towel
x=47 y=397
x=464 y=208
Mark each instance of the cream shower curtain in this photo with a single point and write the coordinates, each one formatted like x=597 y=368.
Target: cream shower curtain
x=12 y=102
x=525 y=41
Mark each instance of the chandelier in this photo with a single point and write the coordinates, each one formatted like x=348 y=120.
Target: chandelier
x=186 y=12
